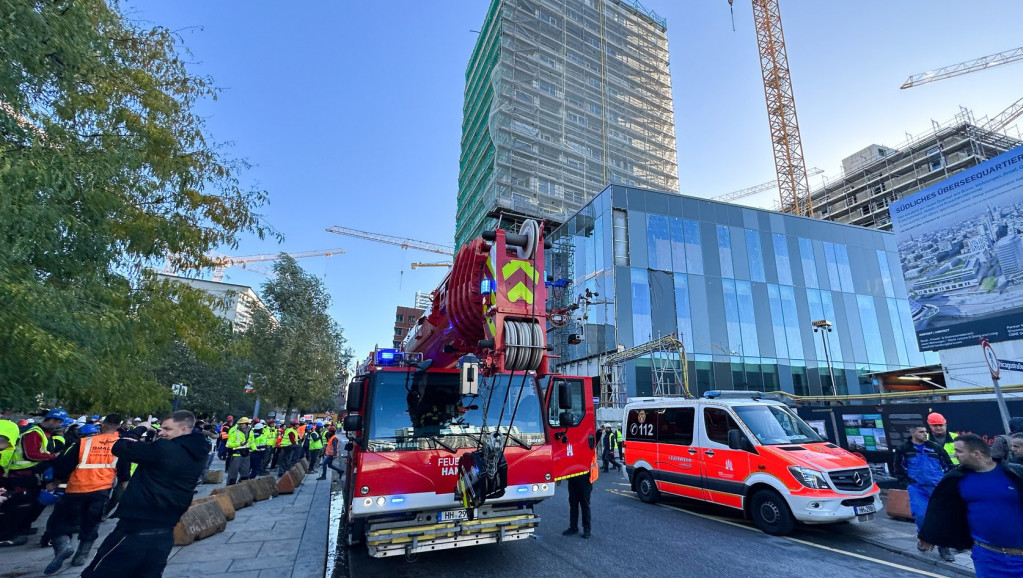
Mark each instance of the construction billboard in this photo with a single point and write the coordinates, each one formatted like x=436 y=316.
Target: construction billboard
x=961 y=249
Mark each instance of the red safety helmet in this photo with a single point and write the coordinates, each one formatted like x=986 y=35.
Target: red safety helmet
x=22 y=423
x=936 y=419
x=255 y=420
x=332 y=429
x=294 y=422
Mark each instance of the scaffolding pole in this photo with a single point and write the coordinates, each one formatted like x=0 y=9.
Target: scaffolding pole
x=669 y=370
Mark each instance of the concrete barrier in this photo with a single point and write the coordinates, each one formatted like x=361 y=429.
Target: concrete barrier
x=222 y=500
x=286 y=484
x=270 y=483
x=199 y=521
x=297 y=474
x=241 y=495
x=213 y=477
x=897 y=505
x=305 y=464
x=259 y=491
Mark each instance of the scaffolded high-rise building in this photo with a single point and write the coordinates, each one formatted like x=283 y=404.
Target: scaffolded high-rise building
x=563 y=97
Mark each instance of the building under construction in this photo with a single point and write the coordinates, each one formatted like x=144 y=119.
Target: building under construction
x=877 y=176
x=563 y=97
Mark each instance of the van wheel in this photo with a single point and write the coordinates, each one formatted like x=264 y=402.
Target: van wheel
x=771 y=514
x=646 y=489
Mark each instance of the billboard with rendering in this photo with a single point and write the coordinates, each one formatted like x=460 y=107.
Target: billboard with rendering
x=961 y=249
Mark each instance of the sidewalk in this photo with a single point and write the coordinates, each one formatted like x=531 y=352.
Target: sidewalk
x=900 y=537
x=281 y=537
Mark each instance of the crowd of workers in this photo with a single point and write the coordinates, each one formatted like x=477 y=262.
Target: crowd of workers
x=142 y=472
x=966 y=494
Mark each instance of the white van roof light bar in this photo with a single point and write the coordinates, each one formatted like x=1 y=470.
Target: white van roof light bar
x=739 y=394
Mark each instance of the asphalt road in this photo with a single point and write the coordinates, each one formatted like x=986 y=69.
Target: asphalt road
x=672 y=538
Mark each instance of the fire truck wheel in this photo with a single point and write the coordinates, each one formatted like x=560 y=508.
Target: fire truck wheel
x=771 y=514
x=646 y=489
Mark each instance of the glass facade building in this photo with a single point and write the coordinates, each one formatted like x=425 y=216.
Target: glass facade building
x=739 y=286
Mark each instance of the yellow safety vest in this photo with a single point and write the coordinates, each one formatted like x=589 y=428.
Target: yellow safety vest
x=286 y=439
x=18 y=461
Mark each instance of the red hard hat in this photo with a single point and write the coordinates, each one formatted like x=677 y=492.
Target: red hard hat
x=294 y=422
x=22 y=423
x=936 y=419
x=255 y=420
x=332 y=429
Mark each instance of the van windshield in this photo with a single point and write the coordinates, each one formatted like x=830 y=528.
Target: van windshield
x=775 y=425
x=441 y=418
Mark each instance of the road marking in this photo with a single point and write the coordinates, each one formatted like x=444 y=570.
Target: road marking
x=797 y=540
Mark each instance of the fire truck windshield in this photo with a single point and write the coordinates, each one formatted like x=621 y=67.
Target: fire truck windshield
x=774 y=425
x=442 y=419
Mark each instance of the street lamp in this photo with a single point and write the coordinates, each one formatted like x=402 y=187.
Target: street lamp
x=825 y=327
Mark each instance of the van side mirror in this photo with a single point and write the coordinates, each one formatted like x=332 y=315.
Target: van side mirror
x=352 y=423
x=564 y=395
x=354 y=400
x=737 y=441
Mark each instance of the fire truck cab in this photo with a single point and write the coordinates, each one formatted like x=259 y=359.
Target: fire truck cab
x=739 y=450
x=412 y=425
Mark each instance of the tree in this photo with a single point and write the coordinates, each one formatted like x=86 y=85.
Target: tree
x=215 y=386
x=298 y=351
x=105 y=168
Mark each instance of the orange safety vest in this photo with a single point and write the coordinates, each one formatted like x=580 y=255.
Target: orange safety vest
x=594 y=470
x=331 y=449
x=97 y=465
x=301 y=431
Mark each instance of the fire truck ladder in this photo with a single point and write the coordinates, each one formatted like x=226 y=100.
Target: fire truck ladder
x=667 y=354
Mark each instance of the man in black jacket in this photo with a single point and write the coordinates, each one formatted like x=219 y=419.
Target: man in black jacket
x=158 y=494
x=980 y=506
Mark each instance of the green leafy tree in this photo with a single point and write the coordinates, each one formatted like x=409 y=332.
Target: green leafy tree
x=298 y=351
x=216 y=386
x=105 y=168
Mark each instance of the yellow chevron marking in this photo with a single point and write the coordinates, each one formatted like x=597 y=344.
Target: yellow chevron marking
x=510 y=267
x=520 y=292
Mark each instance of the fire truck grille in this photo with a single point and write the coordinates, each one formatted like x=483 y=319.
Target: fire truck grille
x=856 y=480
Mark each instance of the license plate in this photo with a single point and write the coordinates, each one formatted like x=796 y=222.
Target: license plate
x=452 y=515
x=860 y=510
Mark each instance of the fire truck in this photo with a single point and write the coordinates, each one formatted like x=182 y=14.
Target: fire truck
x=458 y=434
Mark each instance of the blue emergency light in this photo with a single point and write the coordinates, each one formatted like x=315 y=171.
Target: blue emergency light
x=487 y=286
x=389 y=356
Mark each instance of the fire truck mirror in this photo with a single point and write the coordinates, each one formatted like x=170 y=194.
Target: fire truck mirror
x=354 y=400
x=564 y=395
x=470 y=368
x=352 y=423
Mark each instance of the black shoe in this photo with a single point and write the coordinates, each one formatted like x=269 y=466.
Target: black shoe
x=946 y=554
x=15 y=541
x=586 y=533
x=570 y=532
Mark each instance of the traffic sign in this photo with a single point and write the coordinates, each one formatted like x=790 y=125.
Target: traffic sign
x=990 y=358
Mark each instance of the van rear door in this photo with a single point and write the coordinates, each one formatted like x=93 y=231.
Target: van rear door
x=725 y=469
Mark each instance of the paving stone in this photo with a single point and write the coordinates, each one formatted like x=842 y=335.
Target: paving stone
x=276 y=547
x=200 y=552
x=197 y=568
x=260 y=563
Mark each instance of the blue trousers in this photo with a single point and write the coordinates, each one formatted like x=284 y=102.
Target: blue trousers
x=991 y=564
x=919 y=495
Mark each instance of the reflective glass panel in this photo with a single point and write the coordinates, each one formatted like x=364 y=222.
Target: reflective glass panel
x=809 y=267
x=871 y=331
x=732 y=317
x=658 y=242
x=834 y=343
x=678 y=245
x=844 y=270
x=792 y=332
x=725 y=251
x=829 y=256
x=685 y=321
x=777 y=321
x=694 y=256
x=886 y=274
x=756 y=256
x=747 y=319
x=900 y=338
x=781 y=257
x=640 y=307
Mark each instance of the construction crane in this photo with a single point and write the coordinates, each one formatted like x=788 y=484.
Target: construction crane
x=793 y=190
x=967 y=67
x=1005 y=118
x=439 y=264
x=750 y=191
x=404 y=243
x=221 y=263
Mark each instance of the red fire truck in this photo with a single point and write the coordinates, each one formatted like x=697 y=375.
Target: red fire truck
x=461 y=432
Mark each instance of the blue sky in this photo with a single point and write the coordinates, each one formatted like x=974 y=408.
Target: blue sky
x=351 y=111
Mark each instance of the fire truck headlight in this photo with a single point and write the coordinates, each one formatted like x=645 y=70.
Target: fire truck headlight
x=367 y=502
x=536 y=488
x=381 y=501
x=364 y=490
x=543 y=487
x=547 y=477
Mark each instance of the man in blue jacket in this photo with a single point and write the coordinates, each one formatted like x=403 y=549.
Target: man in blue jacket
x=980 y=506
x=920 y=464
x=158 y=494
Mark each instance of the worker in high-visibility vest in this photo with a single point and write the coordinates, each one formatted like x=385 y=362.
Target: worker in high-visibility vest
x=31 y=456
x=330 y=453
x=259 y=439
x=313 y=445
x=580 y=487
x=239 y=445
x=225 y=429
x=91 y=469
x=290 y=448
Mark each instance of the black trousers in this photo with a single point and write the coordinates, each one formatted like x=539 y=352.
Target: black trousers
x=579 y=490
x=78 y=512
x=126 y=552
